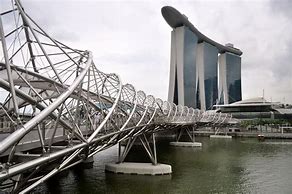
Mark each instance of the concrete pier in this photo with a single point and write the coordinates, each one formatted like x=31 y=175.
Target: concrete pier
x=221 y=136
x=186 y=144
x=139 y=168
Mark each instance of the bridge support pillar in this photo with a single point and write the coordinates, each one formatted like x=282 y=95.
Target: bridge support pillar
x=88 y=163
x=221 y=136
x=152 y=168
x=191 y=136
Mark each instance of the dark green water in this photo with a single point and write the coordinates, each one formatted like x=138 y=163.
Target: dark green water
x=220 y=166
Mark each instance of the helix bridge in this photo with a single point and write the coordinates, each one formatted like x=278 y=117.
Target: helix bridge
x=57 y=108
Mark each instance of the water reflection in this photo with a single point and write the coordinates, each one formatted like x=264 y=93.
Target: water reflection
x=237 y=166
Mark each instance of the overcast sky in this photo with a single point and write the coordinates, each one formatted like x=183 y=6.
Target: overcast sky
x=132 y=39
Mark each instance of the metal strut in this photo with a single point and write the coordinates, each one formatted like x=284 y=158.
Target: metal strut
x=190 y=131
x=145 y=141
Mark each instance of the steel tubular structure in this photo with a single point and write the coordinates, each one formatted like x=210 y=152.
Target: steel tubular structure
x=57 y=109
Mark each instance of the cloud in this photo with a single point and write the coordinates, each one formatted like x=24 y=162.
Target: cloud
x=282 y=7
x=132 y=39
x=262 y=30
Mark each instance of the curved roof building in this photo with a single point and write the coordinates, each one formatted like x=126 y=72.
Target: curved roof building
x=256 y=108
x=175 y=19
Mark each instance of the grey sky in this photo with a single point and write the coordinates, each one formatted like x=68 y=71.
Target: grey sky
x=132 y=39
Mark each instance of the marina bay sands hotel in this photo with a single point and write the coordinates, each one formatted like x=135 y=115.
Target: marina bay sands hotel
x=202 y=72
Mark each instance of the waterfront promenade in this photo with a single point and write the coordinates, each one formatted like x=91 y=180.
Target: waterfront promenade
x=267 y=135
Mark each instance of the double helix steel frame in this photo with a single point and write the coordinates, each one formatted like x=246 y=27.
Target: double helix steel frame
x=57 y=109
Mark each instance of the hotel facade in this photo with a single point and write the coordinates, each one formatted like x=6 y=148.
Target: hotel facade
x=203 y=73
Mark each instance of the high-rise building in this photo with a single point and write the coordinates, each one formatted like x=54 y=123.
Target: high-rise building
x=207 y=79
x=229 y=78
x=194 y=66
x=182 y=84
